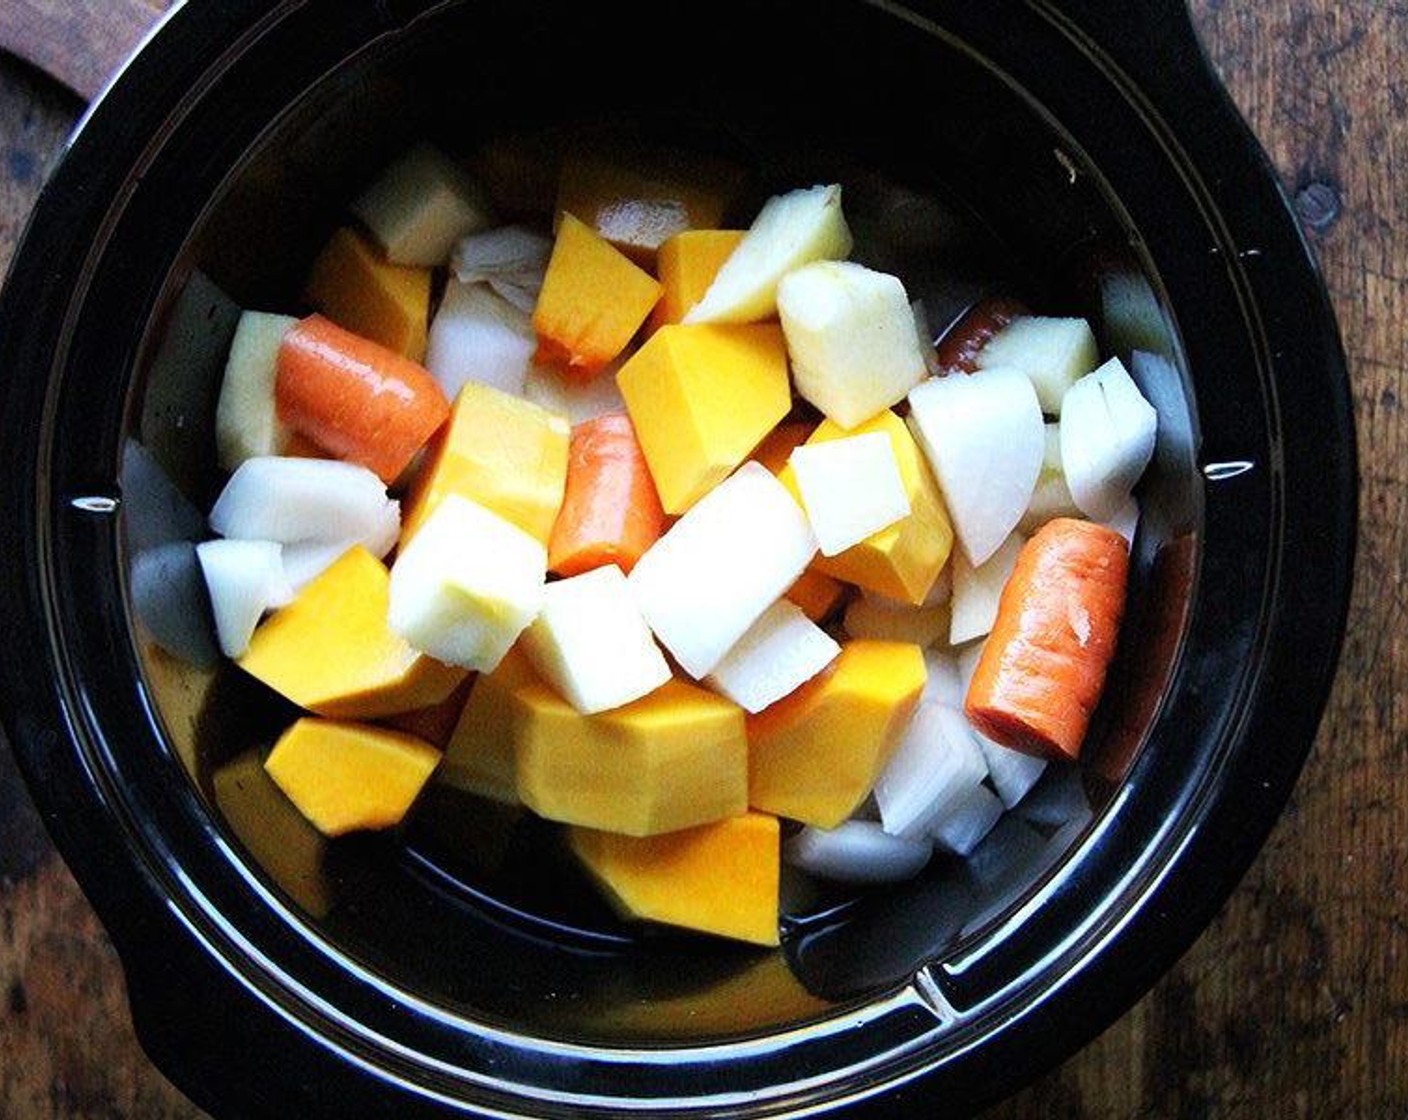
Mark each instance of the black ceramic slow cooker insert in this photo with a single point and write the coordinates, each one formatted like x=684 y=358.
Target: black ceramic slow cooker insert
x=1078 y=153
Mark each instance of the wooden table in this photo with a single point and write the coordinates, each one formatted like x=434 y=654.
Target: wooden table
x=1295 y=1002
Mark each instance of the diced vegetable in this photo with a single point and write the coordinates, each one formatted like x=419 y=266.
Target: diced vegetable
x=421 y=206
x=778 y=445
x=984 y=437
x=467 y=585
x=818 y=595
x=779 y=653
x=967 y=821
x=361 y=401
x=592 y=302
x=815 y=754
x=944 y=683
x=701 y=398
x=1054 y=353
x=1107 y=439
x=610 y=511
x=590 y=643
x=851 y=337
x=245 y=579
x=903 y=560
x=703 y=583
x=977 y=591
x=507 y=454
x=1043 y=667
x=687 y=264
x=479 y=757
x=932 y=771
x=358 y=289
x=958 y=349
x=1011 y=772
x=479 y=336
x=670 y=760
x=858 y=852
x=246 y=419
x=851 y=488
x=719 y=878
x=512 y=260
x=1052 y=497
x=331 y=651
x=899 y=622
x=346 y=777
x=791 y=230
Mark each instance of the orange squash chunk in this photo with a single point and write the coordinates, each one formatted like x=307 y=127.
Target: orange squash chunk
x=719 y=878
x=687 y=264
x=592 y=302
x=359 y=290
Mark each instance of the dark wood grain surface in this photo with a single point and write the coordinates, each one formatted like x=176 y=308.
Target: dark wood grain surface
x=1294 y=1003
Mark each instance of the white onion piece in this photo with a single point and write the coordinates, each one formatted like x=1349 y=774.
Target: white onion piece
x=933 y=768
x=578 y=398
x=1107 y=439
x=977 y=591
x=968 y=821
x=778 y=654
x=479 y=336
x=293 y=499
x=1058 y=800
x=943 y=683
x=169 y=600
x=525 y=299
x=1125 y=522
x=1012 y=772
x=304 y=561
x=1052 y=497
x=512 y=254
x=866 y=618
x=245 y=579
x=984 y=437
x=858 y=852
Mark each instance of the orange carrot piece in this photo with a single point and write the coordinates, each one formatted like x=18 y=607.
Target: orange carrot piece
x=361 y=401
x=1044 y=664
x=610 y=511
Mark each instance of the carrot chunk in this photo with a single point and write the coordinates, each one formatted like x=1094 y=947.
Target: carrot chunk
x=610 y=512
x=1044 y=664
x=359 y=400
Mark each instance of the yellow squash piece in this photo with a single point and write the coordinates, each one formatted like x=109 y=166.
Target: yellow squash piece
x=818 y=595
x=687 y=264
x=670 y=760
x=507 y=454
x=719 y=878
x=358 y=289
x=330 y=650
x=592 y=302
x=904 y=559
x=814 y=755
x=479 y=757
x=701 y=399
x=348 y=777
x=637 y=204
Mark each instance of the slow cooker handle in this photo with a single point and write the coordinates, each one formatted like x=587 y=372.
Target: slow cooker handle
x=80 y=45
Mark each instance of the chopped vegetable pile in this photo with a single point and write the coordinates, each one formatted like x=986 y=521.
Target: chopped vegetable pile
x=688 y=538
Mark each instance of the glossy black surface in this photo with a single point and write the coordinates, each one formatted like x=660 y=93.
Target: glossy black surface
x=1078 y=152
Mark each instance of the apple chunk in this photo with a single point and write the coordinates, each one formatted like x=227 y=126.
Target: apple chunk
x=851 y=337
x=706 y=581
x=790 y=230
x=246 y=419
x=590 y=643
x=984 y=437
x=467 y=585
x=850 y=489
x=420 y=206
x=1054 y=353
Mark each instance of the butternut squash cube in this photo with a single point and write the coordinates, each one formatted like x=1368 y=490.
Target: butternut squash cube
x=701 y=399
x=814 y=755
x=638 y=202
x=330 y=650
x=358 y=289
x=592 y=302
x=904 y=559
x=818 y=595
x=479 y=757
x=507 y=454
x=670 y=760
x=719 y=878
x=348 y=777
x=687 y=264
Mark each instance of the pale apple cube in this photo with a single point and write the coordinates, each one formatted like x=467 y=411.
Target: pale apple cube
x=1053 y=353
x=985 y=439
x=851 y=338
x=590 y=643
x=978 y=591
x=851 y=488
x=246 y=418
x=778 y=654
x=706 y=581
x=791 y=230
x=421 y=206
x=467 y=585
